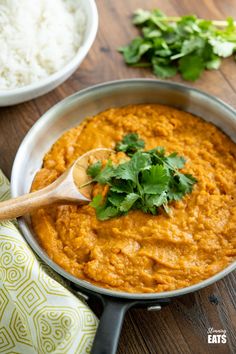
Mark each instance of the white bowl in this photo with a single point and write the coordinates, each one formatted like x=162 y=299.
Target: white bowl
x=26 y=93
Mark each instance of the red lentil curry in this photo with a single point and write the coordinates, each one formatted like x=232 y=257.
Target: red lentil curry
x=140 y=252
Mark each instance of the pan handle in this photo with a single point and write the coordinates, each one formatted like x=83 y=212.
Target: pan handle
x=110 y=325
x=114 y=309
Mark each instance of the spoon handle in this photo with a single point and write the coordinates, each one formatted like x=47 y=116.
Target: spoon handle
x=24 y=204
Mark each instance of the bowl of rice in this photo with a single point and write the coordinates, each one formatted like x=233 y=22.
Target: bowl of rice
x=42 y=45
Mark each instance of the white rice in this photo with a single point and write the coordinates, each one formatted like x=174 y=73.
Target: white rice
x=37 y=38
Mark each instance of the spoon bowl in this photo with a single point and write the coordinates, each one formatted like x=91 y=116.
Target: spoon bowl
x=72 y=186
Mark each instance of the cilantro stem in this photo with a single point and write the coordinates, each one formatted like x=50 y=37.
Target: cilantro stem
x=86 y=184
x=167 y=164
x=139 y=188
x=217 y=23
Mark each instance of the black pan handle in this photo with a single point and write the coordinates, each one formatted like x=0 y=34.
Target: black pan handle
x=109 y=329
x=114 y=309
x=110 y=325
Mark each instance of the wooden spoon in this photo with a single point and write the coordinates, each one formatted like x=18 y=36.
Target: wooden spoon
x=71 y=186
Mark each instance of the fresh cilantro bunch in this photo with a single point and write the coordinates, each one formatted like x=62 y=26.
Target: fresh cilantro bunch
x=186 y=44
x=150 y=180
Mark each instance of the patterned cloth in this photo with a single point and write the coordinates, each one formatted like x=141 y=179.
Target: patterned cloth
x=37 y=313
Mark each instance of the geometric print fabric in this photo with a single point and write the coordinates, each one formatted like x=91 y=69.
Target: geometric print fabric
x=38 y=314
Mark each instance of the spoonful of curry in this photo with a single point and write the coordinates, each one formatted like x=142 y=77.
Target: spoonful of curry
x=72 y=186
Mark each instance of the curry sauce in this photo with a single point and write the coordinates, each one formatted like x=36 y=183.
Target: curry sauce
x=140 y=252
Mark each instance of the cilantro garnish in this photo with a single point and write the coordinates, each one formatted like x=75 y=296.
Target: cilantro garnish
x=93 y=170
x=130 y=144
x=187 y=44
x=150 y=180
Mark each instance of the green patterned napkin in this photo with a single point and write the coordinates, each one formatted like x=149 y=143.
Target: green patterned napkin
x=37 y=313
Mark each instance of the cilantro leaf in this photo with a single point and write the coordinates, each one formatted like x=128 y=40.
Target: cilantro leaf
x=128 y=202
x=163 y=68
x=130 y=144
x=221 y=47
x=105 y=174
x=180 y=185
x=96 y=202
x=140 y=161
x=191 y=67
x=130 y=170
x=150 y=32
x=155 y=180
x=156 y=200
x=125 y=171
x=141 y=16
x=135 y=50
x=213 y=63
x=186 y=182
x=116 y=198
x=175 y=192
x=105 y=213
x=119 y=186
x=175 y=161
x=95 y=169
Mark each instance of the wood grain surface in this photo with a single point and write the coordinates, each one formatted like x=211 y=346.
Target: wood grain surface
x=182 y=326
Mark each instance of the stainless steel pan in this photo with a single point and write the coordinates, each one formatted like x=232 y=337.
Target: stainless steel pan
x=70 y=112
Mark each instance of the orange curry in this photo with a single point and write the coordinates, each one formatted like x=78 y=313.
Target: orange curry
x=140 y=252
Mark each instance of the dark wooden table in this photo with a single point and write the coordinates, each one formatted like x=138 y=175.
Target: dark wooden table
x=182 y=326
